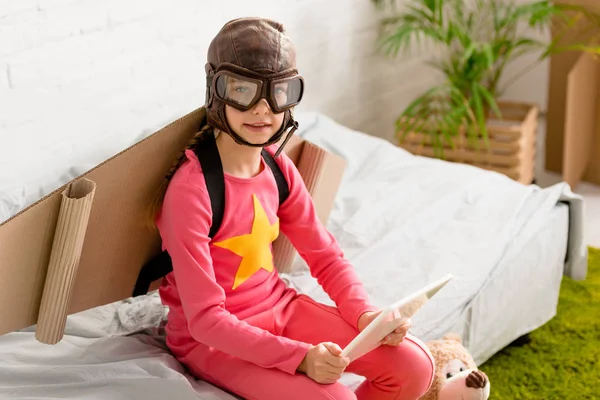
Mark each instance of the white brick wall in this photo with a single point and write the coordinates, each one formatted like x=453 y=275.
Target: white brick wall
x=81 y=77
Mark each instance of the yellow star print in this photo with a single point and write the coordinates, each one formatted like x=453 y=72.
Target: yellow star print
x=254 y=247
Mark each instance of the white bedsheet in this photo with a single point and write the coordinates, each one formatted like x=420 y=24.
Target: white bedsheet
x=96 y=360
x=437 y=218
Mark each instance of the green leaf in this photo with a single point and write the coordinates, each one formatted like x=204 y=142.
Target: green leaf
x=399 y=40
x=489 y=54
x=423 y=13
x=423 y=98
x=490 y=100
x=478 y=105
x=495 y=14
x=453 y=124
x=469 y=52
x=431 y=5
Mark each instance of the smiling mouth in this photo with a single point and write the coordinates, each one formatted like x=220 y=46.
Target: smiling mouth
x=258 y=128
x=258 y=125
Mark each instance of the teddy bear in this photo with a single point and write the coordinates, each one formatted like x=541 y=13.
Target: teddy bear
x=456 y=376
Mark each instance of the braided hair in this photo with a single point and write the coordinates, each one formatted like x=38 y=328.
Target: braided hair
x=156 y=204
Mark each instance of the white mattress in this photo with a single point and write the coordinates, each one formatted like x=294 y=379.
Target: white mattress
x=497 y=237
x=490 y=232
x=522 y=293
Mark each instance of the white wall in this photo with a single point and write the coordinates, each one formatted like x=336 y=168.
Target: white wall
x=81 y=77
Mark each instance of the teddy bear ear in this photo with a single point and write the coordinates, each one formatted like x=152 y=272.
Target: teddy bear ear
x=453 y=336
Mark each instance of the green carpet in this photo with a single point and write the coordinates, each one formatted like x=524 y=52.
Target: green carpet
x=563 y=359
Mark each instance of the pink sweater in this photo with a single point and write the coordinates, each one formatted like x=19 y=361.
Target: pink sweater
x=215 y=285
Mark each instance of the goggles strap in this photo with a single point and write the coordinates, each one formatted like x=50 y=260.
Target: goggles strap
x=288 y=137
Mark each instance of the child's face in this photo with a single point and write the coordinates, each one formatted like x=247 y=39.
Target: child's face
x=257 y=124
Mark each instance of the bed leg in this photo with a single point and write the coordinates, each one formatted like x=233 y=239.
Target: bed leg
x=521 y=341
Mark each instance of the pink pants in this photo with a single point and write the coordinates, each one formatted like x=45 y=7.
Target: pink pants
x=402 y=372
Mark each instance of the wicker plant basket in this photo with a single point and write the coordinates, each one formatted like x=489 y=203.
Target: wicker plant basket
x=512 y=143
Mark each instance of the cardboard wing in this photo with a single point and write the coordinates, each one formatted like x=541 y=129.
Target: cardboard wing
x=583 y=84
x=83 y=245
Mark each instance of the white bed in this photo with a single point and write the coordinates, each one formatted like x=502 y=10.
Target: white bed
x=401 y=220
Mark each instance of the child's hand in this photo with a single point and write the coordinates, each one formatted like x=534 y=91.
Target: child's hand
x=366 y=319
x=394 y=338
x=323 y=363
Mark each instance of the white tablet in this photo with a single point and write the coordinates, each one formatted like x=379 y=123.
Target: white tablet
x=391 y=318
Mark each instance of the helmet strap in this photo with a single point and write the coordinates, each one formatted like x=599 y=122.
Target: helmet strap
x=294 y=125
x=288 y=121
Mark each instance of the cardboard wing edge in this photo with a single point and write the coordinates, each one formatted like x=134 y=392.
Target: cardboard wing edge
x=322 y=172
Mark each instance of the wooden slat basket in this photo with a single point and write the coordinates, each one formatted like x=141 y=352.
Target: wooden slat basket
x=512 y=143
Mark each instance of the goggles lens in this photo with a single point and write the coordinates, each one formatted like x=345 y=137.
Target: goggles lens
x=236 y=89
x=246 y=92
x=287 y=92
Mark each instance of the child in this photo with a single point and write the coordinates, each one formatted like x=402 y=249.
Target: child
x=232 y=321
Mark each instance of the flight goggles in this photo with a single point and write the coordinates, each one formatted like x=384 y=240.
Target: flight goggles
x=243 y=89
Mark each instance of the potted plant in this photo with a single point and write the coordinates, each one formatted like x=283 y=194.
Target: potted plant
x=476 y=40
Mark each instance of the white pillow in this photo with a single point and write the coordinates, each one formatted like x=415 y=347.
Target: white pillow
x=306 y=121
x=16 y=197
x=12 y=200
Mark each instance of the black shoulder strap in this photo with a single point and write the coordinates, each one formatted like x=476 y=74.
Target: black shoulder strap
x=282 y=184
x=210 y=161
